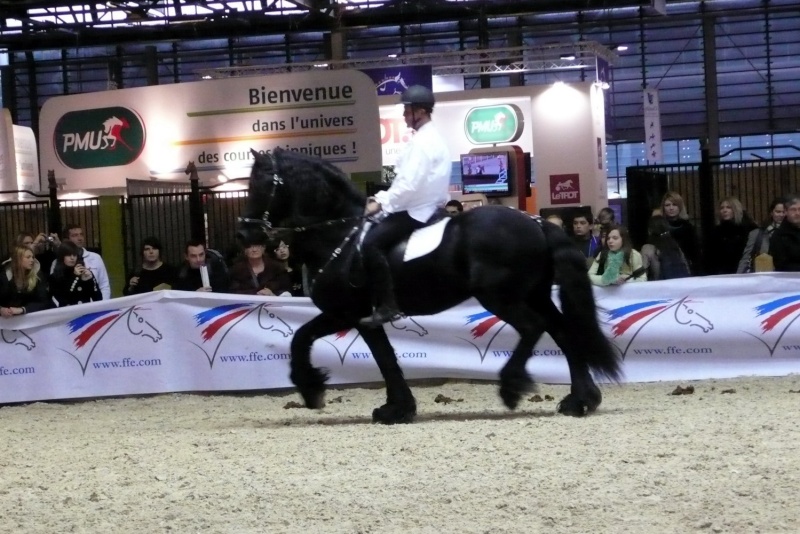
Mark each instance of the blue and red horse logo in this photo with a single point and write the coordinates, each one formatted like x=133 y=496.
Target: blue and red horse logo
x=483 y=328
x=343 y=341
x=780 y=312
x=216 y=323
x=633 y=318
x=88 y=330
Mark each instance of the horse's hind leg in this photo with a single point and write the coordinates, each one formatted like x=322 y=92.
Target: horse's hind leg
x=514 y=379
x=400 y=405
x=584 y=396
x=310 y=381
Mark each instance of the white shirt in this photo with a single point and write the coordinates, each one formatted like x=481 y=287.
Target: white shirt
x=422 y=179
x=95 y=264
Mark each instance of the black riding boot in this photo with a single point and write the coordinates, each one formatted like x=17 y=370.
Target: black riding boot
x=385 y=307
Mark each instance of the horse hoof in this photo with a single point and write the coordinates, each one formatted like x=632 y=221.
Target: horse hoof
x=315 y=401
x=510 y=398
x=512 y=389
x=571 y=405
x=390 y=414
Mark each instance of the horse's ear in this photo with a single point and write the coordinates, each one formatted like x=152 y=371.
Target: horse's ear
x=256 y=154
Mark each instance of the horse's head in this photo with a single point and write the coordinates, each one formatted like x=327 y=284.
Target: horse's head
x=267 y=320
x=267 y=200
x=18 y=337
x=686 y=315
x=139 y=327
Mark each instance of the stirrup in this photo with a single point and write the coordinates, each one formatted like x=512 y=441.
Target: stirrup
x=382 y=316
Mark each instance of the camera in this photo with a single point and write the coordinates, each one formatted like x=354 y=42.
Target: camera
x=51 y=239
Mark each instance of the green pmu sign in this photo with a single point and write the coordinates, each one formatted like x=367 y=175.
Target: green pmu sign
x=103 y=137
x=487 y=125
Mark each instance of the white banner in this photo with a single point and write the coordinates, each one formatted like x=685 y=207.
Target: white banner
x=171 y=341
x=97 y=140
x=652 y=128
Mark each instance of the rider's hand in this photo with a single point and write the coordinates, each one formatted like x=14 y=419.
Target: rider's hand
x=372 y=207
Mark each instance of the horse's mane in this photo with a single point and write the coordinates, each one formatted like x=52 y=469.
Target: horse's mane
x=318 y=181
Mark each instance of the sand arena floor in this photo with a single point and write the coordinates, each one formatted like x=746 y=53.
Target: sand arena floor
x=724 y=459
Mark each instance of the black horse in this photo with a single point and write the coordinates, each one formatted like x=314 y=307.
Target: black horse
x=504 y=258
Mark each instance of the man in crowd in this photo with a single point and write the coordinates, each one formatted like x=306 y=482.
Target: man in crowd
x=92 y=260
x=190 y=276
x=582 y=236
x=784 y=244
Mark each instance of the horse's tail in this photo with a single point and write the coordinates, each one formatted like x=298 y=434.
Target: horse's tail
x=578 y=305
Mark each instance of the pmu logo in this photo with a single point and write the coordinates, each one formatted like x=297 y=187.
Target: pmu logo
x=103 y=137
x=493 y=124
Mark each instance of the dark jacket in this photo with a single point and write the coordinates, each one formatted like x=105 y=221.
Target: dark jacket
x=149 y=279
x=685 y=234
x=274 y=277
x=725 y=249
x=11 y=297
x=589 y=245
x=190 y=280
x=784 y=247
x=67 y=289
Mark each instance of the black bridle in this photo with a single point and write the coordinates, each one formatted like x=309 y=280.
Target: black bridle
x=266 y=224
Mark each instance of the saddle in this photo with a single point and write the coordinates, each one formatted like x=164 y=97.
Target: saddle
x=422 y=241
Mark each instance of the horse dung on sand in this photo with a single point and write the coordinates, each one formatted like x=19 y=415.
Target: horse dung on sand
x=503 y=257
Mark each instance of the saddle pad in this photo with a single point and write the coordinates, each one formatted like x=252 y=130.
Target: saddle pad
x=425 y=240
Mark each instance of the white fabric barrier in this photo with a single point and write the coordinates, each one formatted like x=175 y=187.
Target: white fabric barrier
x=170 y=341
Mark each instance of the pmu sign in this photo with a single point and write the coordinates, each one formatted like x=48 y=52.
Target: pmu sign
x=488 y=125
x=102 y=137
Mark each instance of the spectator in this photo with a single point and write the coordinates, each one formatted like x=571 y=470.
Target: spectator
x=606 y=216
x=683 y=231
x=71 y=282
x=555 y=219
x=190 y=277
x=153 y=274
x=258 y=274
x=282 y=255
x=758 y=240
x=784 y=245
x=453 y=208
x=617 y=263
x=93 y=261
x=661 y=255
x=728 y=237
x=21 y=289
x=582 y=237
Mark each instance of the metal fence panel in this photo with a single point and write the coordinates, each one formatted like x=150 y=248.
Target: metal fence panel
x=16 y=217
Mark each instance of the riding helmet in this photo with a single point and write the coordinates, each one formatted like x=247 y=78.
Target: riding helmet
x=418 y=95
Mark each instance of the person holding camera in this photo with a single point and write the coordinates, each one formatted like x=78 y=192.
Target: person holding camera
x=71 y=282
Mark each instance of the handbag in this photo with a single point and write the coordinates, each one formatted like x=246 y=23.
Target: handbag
x=763 y=264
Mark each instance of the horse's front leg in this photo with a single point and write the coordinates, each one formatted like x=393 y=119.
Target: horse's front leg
x=400 y=407
x=310 y=380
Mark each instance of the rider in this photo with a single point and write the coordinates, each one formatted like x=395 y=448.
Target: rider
x=420 y=186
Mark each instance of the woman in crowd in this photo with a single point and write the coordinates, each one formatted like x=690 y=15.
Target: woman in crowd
x=153 y=274
x=728 y=237
x=673 y=209
x=662 y=255
x=617 y=262
x=71 y=282
x=758 y=239
x=282 y=254
x=21 y=289
x=257 y=274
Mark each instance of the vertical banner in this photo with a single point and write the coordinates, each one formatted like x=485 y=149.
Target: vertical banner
x=652 y=127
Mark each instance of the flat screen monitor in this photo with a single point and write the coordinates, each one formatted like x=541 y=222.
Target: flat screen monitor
x=486 y=173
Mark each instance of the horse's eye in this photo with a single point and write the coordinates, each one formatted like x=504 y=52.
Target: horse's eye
x=140 y=319
x=271 y=315
x=691 y=311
